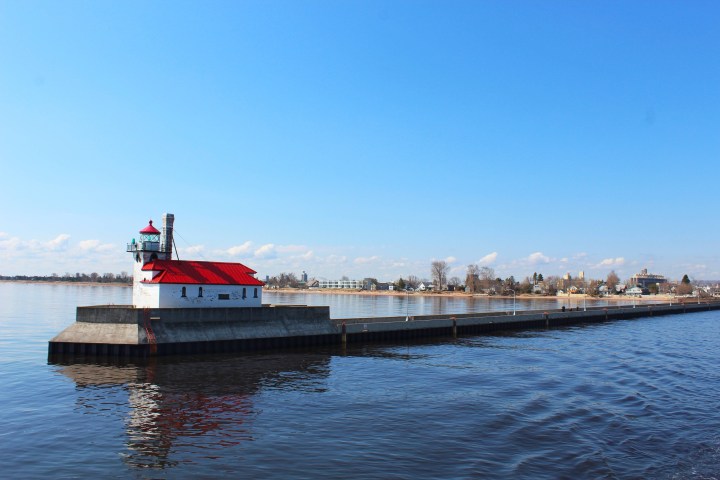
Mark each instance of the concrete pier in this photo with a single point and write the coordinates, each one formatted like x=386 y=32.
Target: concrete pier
x=392 y=328
x=137 y=332
x=124 y=331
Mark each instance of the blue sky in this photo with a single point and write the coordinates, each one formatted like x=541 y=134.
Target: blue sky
x=363 y=138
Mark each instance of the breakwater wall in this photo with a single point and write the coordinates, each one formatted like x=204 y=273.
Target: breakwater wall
x=389 y=328
x=135 y=332
x=124 y=331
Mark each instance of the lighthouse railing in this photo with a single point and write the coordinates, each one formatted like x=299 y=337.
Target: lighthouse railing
x=143 y=246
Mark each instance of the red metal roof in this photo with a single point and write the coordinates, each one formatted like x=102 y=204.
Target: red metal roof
x=206 y=273
x=150 y=230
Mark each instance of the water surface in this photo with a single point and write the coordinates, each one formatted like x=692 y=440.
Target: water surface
x=625 y=399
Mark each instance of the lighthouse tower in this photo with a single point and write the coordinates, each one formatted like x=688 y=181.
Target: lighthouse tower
x=149 y=247
x=152 y=245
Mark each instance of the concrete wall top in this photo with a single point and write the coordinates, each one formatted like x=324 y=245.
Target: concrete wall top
x=382 y=324
x=554 y=313
x=118 y=334
x=128 y=314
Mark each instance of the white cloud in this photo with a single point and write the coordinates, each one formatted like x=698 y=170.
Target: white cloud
x=88 y=244
x=192 y=250
x=95 y=246
x=365 y=260
x=266 y=251
x=12 y=244
x=611 y=262
x=272 y=259
x=239 y=249
x=451 y=260
x=457 y=271
x=537 y=257
x=59 y=243
x=28 y=257
x=488 y=259
x=335 y=259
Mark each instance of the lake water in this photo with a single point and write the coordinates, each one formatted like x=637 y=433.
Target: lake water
x=625 y=399
x=350 y=306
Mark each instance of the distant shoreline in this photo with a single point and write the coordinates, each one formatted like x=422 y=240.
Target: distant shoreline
x=64 y=282
x=393 y=293
x=524 y=296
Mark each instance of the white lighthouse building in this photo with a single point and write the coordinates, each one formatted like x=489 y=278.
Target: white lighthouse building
x=161 y=282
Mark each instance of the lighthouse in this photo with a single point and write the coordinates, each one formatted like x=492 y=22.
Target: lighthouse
x=161 y=282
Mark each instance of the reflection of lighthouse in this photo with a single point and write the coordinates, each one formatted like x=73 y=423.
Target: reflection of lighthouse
x=160 y=419
x=180 y=409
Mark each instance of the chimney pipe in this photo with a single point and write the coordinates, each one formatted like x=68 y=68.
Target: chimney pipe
x=167 y=235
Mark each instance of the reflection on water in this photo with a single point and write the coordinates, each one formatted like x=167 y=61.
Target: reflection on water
x=203 y=401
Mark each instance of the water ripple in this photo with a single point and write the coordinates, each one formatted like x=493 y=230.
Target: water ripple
x=627 y=399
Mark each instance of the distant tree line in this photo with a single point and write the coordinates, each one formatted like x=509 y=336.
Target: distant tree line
x=284 y=280
x=483 y=280
x=93 y=277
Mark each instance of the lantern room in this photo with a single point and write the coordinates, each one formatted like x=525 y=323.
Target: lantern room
x=149 y=239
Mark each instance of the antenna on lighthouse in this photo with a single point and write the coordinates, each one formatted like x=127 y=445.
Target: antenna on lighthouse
x=166 y=246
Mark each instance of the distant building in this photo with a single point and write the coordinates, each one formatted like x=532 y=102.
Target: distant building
x=634 y=291
x=424 y=286
x=645 y=279
x=351 y=284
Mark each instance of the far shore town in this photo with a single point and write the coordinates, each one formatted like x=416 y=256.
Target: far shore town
x=479 y=281
x=482 y=281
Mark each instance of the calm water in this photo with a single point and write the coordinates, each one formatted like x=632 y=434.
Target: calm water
x=628 y=399
x=349 y=306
